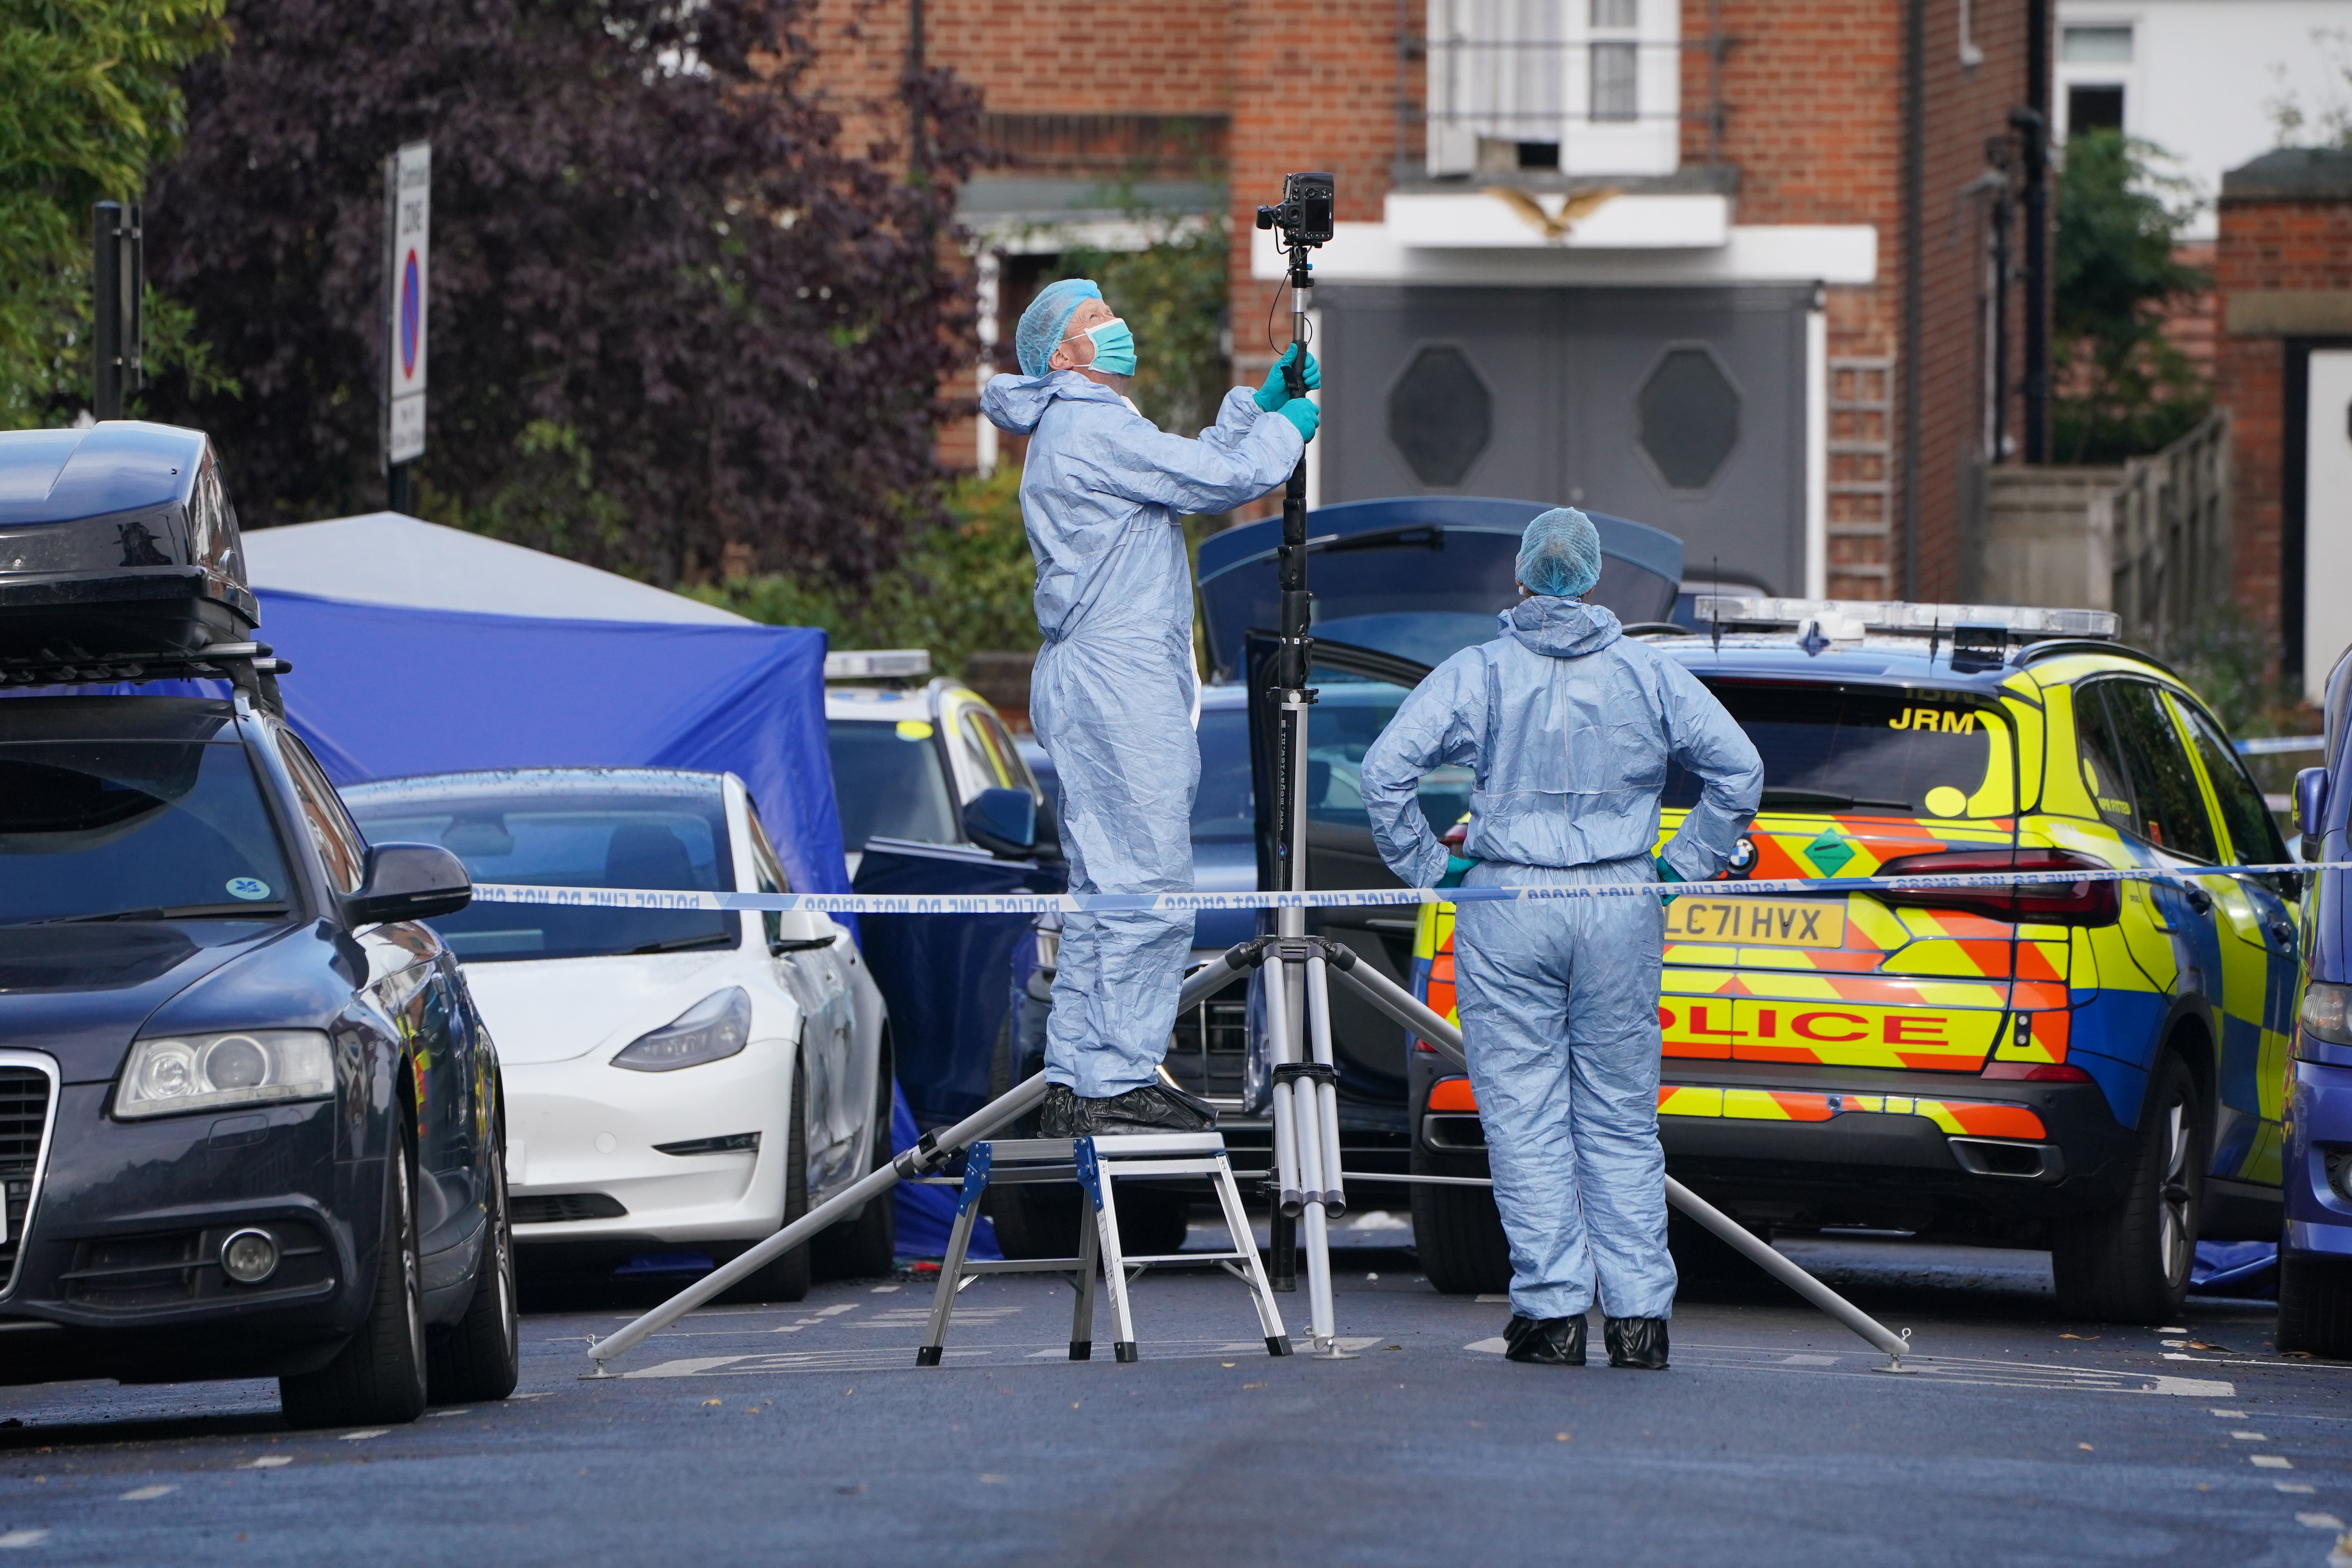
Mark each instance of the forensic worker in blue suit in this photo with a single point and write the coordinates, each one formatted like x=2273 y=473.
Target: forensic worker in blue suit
x=1103 y=494
x=1567 y=726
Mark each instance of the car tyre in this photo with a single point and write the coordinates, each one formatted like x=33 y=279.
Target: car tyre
x=1457 y=1231
x=480 y=1357
x=866 y=1247
x=2315 y=1313
x=786 y=1279
x=380 y=1375
x=2130 y=1264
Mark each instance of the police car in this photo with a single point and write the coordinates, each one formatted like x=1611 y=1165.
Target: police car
x=2096 y=1067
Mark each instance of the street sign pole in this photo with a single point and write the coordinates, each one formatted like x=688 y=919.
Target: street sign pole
x=407 y=234
x=118 y=285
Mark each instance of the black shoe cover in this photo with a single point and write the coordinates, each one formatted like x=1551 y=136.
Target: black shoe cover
x=1553 y=1341
x=1154 y=1107
x=1638 y=1343
x=1059 y=1118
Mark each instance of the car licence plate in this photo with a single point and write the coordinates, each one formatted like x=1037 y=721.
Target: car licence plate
x=1755 y=923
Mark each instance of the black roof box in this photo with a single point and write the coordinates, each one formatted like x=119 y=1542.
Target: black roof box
x=119 y=551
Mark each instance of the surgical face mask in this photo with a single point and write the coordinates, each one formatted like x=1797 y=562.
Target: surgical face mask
x=1114 y=347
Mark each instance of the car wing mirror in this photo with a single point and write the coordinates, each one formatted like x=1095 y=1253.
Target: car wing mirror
x=409 y=882
x=2310 y=808
x=1002 y=821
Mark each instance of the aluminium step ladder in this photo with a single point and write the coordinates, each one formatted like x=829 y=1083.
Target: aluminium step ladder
x=1094 y=1163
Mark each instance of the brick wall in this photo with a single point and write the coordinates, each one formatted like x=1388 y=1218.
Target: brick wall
x=2268 y=247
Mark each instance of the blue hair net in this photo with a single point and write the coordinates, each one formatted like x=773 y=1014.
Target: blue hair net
x=1560 y=555
x=1047 y=319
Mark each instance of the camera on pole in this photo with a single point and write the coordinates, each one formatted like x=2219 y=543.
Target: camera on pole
x=1307 y=1188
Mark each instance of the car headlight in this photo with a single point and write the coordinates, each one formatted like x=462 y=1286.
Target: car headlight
x=201 y=1072
x=713 y=1028
x=2327 y=1013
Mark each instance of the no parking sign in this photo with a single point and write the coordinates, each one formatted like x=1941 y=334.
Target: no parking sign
x=408 y=214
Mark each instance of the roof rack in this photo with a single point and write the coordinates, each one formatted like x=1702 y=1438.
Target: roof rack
x=1847 y=619
x=252 y=667
x=878 y=664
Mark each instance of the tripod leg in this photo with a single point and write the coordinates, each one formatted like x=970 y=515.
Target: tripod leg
x=1237 y=1224
x=1326 y=1095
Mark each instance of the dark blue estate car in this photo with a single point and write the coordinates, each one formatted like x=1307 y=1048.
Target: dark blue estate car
x=2315 y=1247
x=250 y=1121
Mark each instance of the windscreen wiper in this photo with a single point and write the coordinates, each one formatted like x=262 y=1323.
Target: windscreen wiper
x=1774 y=796
x=682 y=943
x=165 y=913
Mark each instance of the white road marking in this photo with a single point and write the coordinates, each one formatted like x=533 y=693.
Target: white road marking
x=2252 y=1437
x=2272 y=1461
x=1495 y=1346
x=438 y=1414
x=17 y=1537
x=1809 y=1361
x=837 y=1309
x=2229 y=1415
x=268 y=1462
x=362 y=1436
x=1494 y=1300
x=146 y=1494
x=883 y=1290
x=2293 y=1486
x=2319 y=1521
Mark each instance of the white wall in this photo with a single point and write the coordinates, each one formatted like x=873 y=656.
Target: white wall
x=2204 y=74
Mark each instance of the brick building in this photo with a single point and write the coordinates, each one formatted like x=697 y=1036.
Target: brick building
x=1769 y=323
x=2283 y=274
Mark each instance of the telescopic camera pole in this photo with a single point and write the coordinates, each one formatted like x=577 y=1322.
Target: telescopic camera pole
x=1308 y=1190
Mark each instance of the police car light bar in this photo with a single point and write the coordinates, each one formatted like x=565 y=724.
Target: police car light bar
x=878 y=664
x=2018 y=623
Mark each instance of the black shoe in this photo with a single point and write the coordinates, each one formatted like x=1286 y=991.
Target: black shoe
x=1638 y=1343
x=1553 y=1341
x=1059 y=1116
x=1154 y=1107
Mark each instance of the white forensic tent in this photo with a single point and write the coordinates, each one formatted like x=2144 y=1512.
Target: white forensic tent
x=387 y=558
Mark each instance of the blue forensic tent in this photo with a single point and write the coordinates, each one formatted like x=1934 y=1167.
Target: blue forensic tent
x=379 y=692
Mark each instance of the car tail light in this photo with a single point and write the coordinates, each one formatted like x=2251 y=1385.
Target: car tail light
x=2038 y=1072
x=1457 y=836
x=2083 y=903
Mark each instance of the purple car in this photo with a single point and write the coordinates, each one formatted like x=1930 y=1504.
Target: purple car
x=2316 y=1250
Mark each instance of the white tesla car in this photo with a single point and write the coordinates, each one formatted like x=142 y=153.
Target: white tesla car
x=674 y=1081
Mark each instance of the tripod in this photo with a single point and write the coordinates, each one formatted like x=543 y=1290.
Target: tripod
x=1308 y=1189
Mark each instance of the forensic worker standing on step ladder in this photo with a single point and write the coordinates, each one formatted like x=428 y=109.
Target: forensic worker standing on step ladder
x=1567 y=727
x=1103 y=494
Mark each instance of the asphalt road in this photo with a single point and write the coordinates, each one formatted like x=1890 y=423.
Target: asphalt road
x=805 y=1433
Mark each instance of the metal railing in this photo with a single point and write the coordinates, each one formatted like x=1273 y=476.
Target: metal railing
x=2169 y=523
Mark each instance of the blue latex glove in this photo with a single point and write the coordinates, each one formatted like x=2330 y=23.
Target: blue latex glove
x=1277 y=390
x=1456 y=868
x=1665 y=874
x=1303 y=415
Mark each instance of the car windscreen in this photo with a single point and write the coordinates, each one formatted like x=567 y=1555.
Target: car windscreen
x=888 y=782
x=670 y=842
x=1878 y=751
x=1348 y=716
x=1221 y=807
x=106 y=827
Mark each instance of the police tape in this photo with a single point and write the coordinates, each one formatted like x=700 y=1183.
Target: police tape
x=1196 y=904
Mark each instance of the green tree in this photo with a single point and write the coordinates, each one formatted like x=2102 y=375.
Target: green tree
x=961 y=587
x=2125 y=389
x=89 y=103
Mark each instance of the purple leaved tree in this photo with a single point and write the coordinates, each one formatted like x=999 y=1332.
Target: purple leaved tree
x=673 y=322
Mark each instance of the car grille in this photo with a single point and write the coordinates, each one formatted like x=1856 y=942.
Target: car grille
x=560 y=1208
x=24 y=1118
x=1210 y=1050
